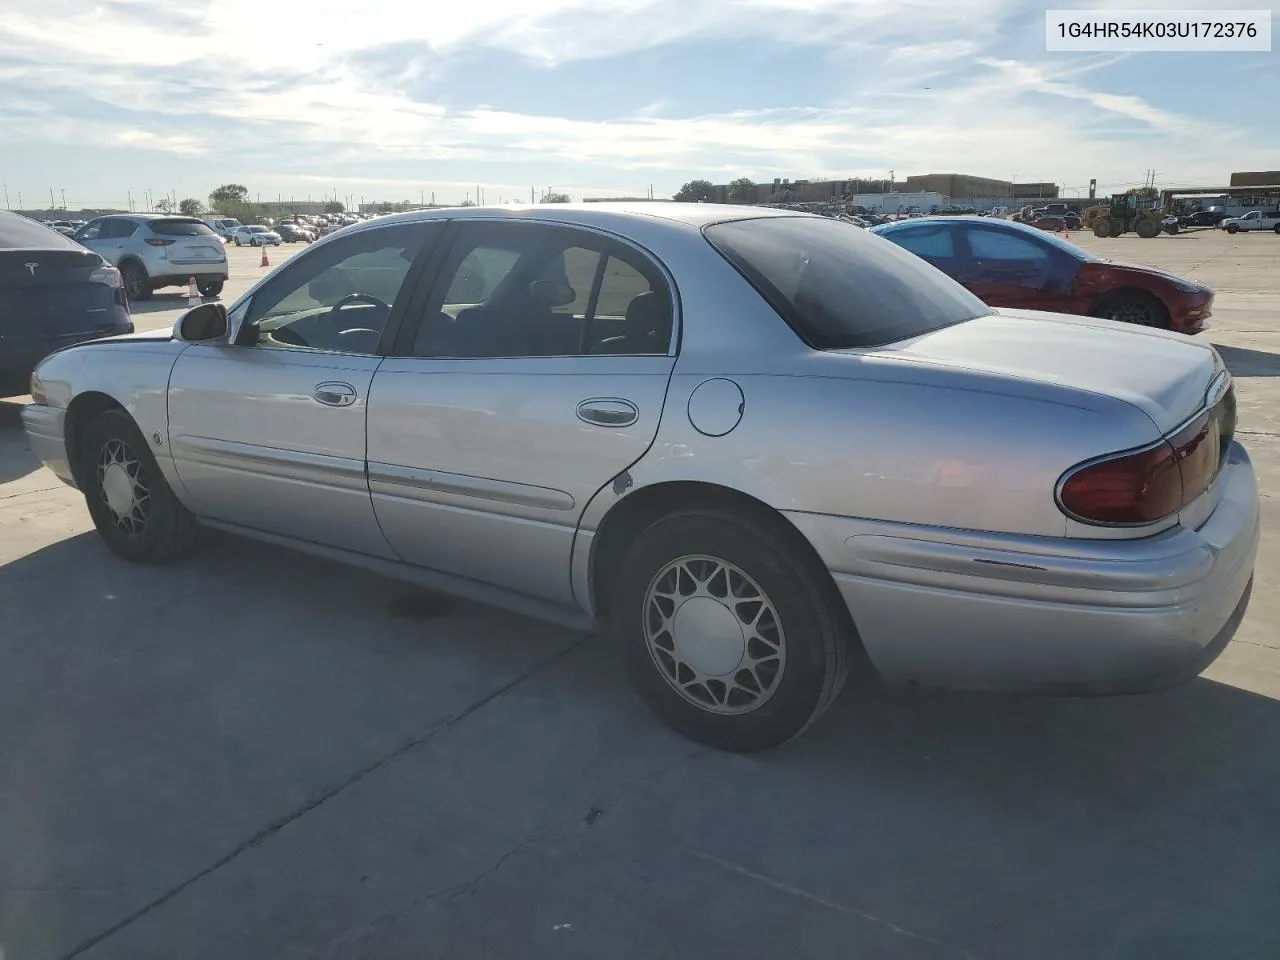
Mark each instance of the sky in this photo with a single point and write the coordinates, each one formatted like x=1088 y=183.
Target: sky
x=101 y=100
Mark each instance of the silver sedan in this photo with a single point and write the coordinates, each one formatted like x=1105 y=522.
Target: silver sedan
x=762 y=447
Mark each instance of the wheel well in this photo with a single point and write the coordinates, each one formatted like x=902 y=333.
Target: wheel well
x=133 y=262
x=1114 y=295
x=82 y=412
x=638 y=510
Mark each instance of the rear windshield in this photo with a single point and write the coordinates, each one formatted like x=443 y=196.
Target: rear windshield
x=181 y=228
x=19 y=233
x=837 y=285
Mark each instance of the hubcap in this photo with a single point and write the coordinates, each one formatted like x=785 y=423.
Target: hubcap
x=133 y=283
x=122 y=486
x=714 y=635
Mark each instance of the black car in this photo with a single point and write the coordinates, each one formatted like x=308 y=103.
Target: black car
x=292 y=233
x=1202 y=218
x=53 y=293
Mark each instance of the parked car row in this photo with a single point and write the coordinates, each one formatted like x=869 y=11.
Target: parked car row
x=884 y=472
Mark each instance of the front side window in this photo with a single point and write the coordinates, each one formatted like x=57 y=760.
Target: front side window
x=999 y=245
x=534 y=290
x=938 y=242
x=90 y=231
x=838 y=286
x=337 y=297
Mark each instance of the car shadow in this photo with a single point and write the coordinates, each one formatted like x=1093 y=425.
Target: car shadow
x=160 y=301
x=1244 y=362
x=16 y=458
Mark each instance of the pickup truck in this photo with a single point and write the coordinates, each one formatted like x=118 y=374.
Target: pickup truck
x=1253 y=220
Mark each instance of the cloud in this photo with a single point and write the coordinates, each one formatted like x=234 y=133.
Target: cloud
x=326 y=91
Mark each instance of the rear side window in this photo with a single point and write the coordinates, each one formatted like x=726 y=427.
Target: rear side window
x=838 y=286
x=19 y=233
x=181 y=228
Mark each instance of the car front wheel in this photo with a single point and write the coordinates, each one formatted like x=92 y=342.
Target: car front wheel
x=1232 y=228
x=132 y=506
x=1133 y=306
x=732 y=635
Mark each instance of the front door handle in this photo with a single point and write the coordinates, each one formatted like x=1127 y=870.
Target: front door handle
x=335 y=393
x=608 y=412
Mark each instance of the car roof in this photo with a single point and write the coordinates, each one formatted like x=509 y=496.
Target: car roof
x=613 y=214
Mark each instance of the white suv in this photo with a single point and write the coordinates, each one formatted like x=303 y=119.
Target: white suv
x=157 y=250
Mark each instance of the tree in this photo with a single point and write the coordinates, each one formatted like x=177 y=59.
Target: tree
x=551 y=196
x=229 y=193
x=696 y=191
x=191 y=207
x=334 y=206
x=742 y=190
x=164 y=205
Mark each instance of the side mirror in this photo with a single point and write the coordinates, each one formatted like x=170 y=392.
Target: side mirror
x=205 y=322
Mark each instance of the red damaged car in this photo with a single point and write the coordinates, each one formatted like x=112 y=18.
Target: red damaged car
x=1011 y=265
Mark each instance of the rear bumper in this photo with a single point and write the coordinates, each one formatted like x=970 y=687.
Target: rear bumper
x=1035 y=614
x=20 y=357
x=46 y=432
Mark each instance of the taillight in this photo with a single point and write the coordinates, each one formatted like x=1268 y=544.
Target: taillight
x=1135 y=488
x=1143 y=487
x=158 y=241
x=108 y=275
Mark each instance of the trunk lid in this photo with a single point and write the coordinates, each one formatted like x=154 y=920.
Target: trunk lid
x=1164 y=375
x=46 y=294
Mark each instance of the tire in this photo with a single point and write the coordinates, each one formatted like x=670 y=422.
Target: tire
x=1232 y=228
x=1146 y=228
x=1135 y=307
x=237 y=242
x=114 y=456
x=210 y=288
x=799 y=634
x=1277 y=228
x=137 y=285
x=1102 y=227
x=1117 y=229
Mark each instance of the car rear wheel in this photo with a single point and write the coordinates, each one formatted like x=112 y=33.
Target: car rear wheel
x=1133 y=306
x=137 y=285
x=728 y=630
x=210 y=288
x=132 y=506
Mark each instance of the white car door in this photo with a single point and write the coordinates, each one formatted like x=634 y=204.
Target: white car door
x=532 y=375
x=268 y=433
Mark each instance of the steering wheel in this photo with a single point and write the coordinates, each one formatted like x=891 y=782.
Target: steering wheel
x=358 y=298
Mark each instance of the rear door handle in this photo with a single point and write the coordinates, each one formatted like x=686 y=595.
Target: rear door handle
x=335 y=393
x=608 y=412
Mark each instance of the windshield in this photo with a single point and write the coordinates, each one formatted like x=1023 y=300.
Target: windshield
x=181 y=228
x=839 y=286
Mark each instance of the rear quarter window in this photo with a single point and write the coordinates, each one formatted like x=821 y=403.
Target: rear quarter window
x=838 y=286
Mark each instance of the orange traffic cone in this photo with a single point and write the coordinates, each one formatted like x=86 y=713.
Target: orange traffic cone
x=193 y=293
x=265 y=261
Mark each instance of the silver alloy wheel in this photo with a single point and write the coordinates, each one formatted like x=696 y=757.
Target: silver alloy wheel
x=714 y=635
x=121 y=486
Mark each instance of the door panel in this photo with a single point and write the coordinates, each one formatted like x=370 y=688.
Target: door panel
x=255 y=444
x=1008 y=270
x=482 y=467
x=269 y=433
x=535 y=375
